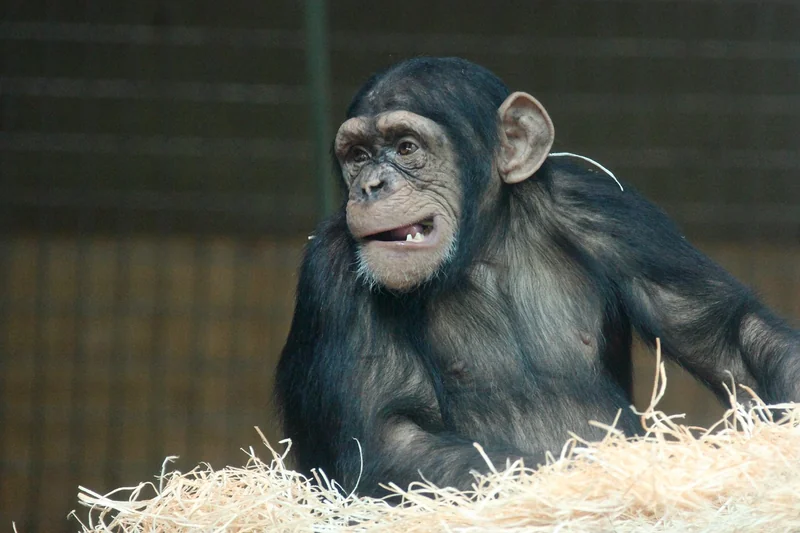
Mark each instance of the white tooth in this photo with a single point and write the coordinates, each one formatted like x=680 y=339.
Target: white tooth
x=409 y=238
x=419 y=237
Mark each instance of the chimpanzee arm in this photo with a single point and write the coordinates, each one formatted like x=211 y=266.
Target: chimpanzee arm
x=712 y=325
x=330 y=398
x=403 y=452
x=707 y=320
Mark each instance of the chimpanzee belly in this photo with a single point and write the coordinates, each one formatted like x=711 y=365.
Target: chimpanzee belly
x=530 y=411
x=530 y=416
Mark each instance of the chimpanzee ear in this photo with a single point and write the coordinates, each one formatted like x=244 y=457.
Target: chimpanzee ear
x=526 y=136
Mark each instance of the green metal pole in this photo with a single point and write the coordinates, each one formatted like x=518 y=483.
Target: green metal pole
x=319 y=80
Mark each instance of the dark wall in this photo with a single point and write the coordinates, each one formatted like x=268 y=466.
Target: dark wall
x=166 y=106
x=156 y=188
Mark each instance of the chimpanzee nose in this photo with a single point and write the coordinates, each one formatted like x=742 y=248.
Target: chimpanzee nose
x=372 y=186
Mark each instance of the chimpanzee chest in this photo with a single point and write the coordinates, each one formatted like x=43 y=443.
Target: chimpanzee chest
x=497 y=353
x=522 y=366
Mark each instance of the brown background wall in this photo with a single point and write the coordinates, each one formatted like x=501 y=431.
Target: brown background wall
x=156 y=189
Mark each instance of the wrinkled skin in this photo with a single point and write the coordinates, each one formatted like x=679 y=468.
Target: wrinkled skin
x=404 y=196
x=399 y=169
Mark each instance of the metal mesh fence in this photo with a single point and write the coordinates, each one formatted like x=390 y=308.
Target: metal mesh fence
x=156 y=189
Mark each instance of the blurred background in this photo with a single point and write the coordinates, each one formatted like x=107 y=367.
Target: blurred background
x=161 y=163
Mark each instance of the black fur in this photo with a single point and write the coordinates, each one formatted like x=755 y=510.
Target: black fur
x=526 y=335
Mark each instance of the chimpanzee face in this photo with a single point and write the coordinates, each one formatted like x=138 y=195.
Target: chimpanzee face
x=406 y=188
x=404 y=197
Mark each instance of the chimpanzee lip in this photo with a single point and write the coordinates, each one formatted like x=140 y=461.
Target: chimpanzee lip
x=385 y=237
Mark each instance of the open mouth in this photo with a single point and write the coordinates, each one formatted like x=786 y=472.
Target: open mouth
x=417 y=232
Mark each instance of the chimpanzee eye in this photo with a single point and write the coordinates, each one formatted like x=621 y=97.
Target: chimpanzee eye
x=358 y=155
x=406 y=148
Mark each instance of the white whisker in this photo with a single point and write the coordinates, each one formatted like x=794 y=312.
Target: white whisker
x=590 y=160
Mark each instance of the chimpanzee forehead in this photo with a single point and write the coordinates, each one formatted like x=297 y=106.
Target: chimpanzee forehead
x=393 y=121
x=461 y=97
x=387 y=125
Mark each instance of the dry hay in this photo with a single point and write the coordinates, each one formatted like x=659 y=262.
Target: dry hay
x=743 y=474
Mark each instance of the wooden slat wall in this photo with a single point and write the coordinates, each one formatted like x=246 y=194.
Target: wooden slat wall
x=111 y=365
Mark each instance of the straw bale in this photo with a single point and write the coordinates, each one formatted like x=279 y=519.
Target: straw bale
x=743 y=474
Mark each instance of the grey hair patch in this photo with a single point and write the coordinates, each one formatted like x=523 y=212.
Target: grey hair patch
x=589 y=160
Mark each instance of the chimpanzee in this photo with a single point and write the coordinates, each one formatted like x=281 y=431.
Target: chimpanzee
x=473 y=289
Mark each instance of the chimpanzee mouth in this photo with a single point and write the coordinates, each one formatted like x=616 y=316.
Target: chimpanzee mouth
x=413 y=233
